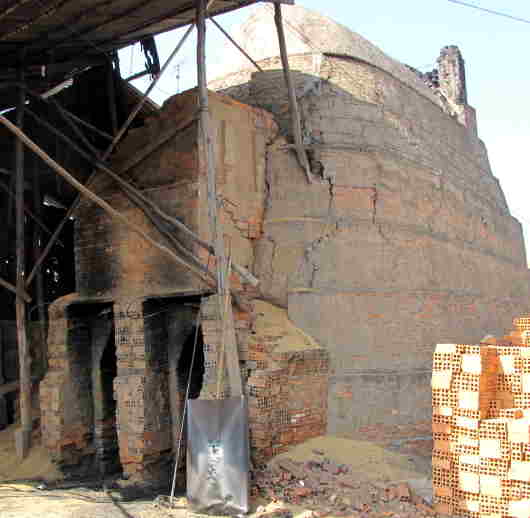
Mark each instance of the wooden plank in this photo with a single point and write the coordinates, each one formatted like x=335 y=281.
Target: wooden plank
x=223 y=281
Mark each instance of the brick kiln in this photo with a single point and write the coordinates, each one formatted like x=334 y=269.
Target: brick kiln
x=119 y=348
x=404 y=239
x=481 y=426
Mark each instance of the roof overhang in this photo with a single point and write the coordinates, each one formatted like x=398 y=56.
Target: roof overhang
x=77 y=33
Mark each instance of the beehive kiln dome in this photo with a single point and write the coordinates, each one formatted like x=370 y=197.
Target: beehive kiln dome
x=306 y=32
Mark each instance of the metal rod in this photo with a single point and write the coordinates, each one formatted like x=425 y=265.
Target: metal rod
x=183 y=418
x=96 y=199
x=236 y=44
x=216 y=229
x=141 y=102
x=293 y=103
x=26 y=422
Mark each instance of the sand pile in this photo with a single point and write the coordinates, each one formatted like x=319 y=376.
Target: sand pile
x=37 y=465
x=273 y=321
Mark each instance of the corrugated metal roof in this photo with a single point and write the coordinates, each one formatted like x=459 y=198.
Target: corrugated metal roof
x=77 y=31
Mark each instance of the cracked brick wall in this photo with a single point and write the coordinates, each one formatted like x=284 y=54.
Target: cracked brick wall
x=114 y=267
x=404 y=240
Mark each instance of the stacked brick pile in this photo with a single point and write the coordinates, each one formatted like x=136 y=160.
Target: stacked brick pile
x=481 y=426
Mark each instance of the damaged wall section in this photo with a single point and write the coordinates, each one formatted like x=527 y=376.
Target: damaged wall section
x=405 y=240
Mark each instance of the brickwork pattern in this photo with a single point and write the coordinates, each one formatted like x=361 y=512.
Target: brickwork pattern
x=397 y=236
x=65 y=392
x=286 y=391
x=481 y=426
x=141 y=388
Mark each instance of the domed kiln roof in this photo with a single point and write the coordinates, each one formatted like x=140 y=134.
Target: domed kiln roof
x=306 y=31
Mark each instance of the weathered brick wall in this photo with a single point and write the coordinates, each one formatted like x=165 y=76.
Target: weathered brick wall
x=66 y=391
x=285 y=376
x=113 y=261
x=405 y=239
x=141 y=388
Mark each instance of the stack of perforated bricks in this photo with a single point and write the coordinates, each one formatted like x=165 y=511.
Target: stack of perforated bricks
x=481 y=426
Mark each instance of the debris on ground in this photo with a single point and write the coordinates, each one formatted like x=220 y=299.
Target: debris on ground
x=324 y=486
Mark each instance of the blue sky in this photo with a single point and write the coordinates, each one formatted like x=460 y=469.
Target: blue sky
x=413 y=32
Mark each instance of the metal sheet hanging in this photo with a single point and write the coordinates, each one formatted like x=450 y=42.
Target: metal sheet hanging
x=218 y=456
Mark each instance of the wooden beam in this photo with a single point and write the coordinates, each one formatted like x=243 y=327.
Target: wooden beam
x=29 y=212
x=137 y=158
x=141 y=102
x=13 y=288
x=23 y=435
x=73 y=116
x=216 y=229
x=236 y=45
x=97 y=200
x=130 y=189
x=293 y=103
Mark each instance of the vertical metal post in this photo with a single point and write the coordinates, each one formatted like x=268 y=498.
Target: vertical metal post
x=216 y=230
x=23 y=435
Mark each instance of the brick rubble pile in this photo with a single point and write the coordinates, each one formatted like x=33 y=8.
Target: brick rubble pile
x=481 y=426
x=330 y=489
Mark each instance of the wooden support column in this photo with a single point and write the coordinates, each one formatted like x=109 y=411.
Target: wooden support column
x=23 y=434
x=111 y=92
x=293 y=103
x=216 y=229
x=3 y=404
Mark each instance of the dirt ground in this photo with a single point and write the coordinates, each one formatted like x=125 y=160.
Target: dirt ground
x=33 y=488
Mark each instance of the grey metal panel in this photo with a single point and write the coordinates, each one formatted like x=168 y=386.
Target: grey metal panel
x=218 y=456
